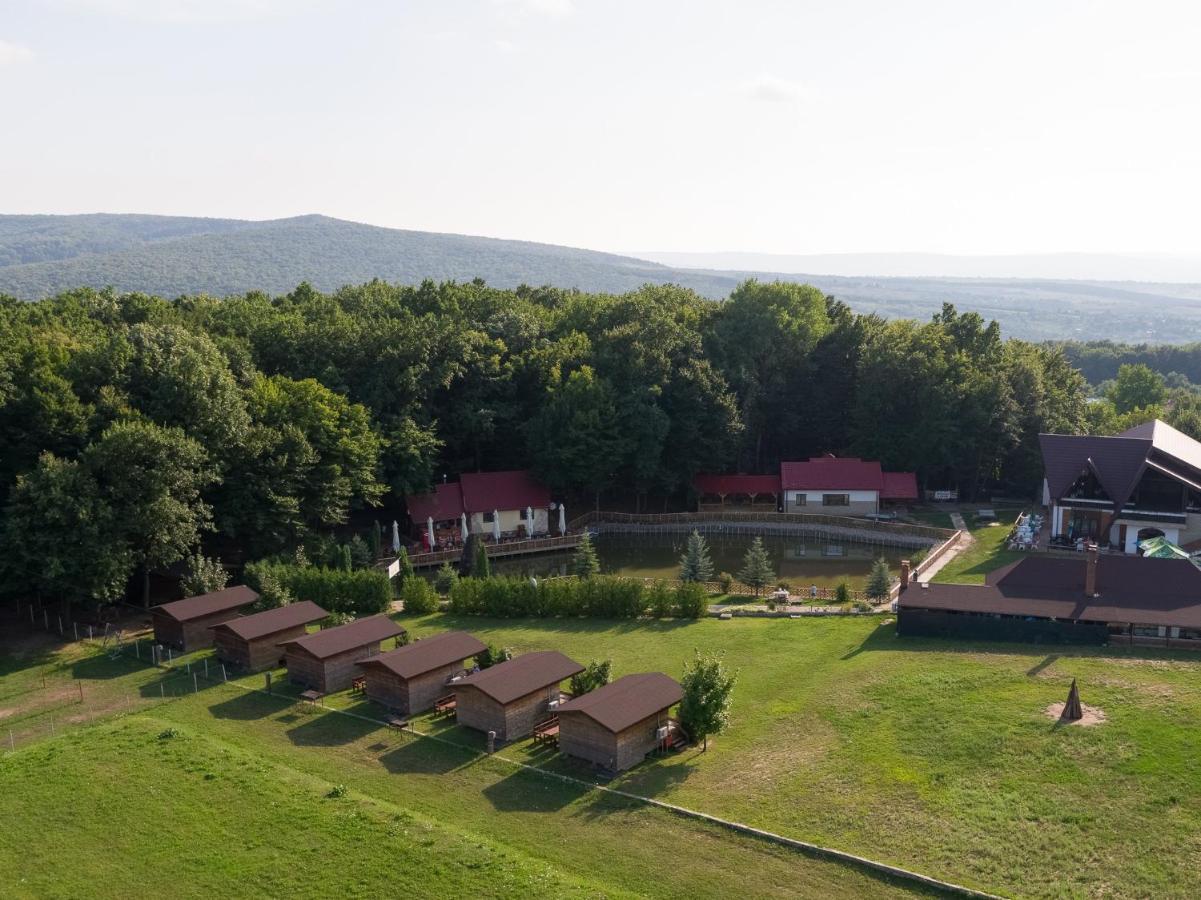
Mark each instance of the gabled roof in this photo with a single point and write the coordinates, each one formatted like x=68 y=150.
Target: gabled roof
x=522 y=675
x=899 y=486
x=627 y=701
x=206 y=604
x=832 y=473
x=486 y=491
x=332 y=641
x=1118 y=462
x=1131 y=589
x=442 y=503
x=273 y=621
x=427 y=654
x=737 y=484
x=1167 y=440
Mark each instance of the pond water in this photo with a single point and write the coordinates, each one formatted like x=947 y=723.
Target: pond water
x=800 y=561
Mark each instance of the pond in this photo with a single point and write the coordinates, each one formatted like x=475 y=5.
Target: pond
x=799 y=561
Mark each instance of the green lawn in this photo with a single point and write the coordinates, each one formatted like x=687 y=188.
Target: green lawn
x=929 y=755
x=986 y=553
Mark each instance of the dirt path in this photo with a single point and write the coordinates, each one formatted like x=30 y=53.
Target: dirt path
x=965 y=540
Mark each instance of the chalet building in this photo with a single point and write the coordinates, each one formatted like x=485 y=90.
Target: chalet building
x=187 y=623
x=1093 y=599
x=409 y=679
x=325 y=660
x=252 y=643
x=483 y=497
x=1120 y=490
x=618 y=724
x=824 y=485
x=512 y=697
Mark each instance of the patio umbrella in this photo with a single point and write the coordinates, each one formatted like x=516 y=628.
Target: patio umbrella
x=529 y=521
x=562 y=519
x=429 y=525
x=463 y=526
x=1161 y=548
x=496 y=525
x=395 y=536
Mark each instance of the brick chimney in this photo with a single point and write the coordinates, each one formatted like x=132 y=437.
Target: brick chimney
x=904 y=574
x=1090 y=571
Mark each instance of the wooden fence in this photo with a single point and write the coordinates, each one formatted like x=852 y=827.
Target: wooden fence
x=495 y=551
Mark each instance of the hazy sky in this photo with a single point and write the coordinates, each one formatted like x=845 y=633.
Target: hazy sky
x=956 y=127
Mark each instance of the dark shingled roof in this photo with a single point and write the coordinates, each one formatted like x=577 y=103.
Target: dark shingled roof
x=272 y=621
x=627 y=701
x=1117 y=461
x=332 y=641
x=428 y=654
x=509 y=681
x=1132 y=589
x=206 y=604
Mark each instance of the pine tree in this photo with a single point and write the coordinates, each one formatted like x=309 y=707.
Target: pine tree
x=445 y=579
x=696 y=564
x=480 y=567
x=585 y=563
x=879 y=580
x=406 y=566
x=757 y=571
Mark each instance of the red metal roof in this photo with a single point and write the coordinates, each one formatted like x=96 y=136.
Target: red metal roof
x=899 y=486
x=443 y=503
x=832 y=473
x=486 y=491
x=737 y=484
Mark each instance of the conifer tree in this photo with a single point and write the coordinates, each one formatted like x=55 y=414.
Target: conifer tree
x=757 y=570
x=480 y=567
x=696 y=564
x=879 y=580
x=585 y=564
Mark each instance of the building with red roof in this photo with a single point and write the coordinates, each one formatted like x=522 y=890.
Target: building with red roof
x=483 y=497
x=745 y=491
x=842 y=486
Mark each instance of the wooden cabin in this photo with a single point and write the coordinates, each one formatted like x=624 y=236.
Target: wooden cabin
x=409 y=679
x=251 y=643
x=187 y=624
x=325 y=660
x=618 y=724
x=512 y=697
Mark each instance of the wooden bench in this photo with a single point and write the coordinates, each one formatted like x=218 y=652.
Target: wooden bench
x=445 y=706
x=359 y=685
x=311 y=696
x=547 y=732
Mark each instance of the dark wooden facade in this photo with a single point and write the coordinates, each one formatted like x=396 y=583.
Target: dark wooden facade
x=187 y=624
x=512 y=720
x=254 y=655
x=584 y=738
x=408 y=695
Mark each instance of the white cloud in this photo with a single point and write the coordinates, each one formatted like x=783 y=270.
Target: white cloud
x=770 y=88
x=556 y=8
x=14 y=54
x=504 y=46
x=192 y=12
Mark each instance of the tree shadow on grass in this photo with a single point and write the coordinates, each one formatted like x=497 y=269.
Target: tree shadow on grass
x=422 y=756
x=329 y=729
x=568 y=626
x=249 y=706
x=102 y=667
x=526 y=791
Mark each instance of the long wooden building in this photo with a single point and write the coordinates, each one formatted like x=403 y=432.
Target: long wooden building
x=409 y=679
x=325 y=660
x=512 y=697
x=618 y=724
x=252 y=643
x=187 y=624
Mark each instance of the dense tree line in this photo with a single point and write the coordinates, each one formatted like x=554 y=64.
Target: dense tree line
x=133 y=428
x=1099 y=361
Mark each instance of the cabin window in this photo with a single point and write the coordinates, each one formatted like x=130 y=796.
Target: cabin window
x=487 y=518
x=836 y=499
x=800 y=499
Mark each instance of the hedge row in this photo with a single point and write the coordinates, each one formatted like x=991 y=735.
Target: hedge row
x=362 y=592
x=601 y=596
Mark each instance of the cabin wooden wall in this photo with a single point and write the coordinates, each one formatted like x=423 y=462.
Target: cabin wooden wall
x=327 y=675
x=258 y=654
x=583 y=737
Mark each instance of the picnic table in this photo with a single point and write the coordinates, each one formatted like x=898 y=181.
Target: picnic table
x=445 y=706
x=311 y=696
x=358 y=685
x=547 y=732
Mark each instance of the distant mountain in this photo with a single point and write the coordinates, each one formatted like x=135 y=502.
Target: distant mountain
x=1144 y=267
x=170 y=256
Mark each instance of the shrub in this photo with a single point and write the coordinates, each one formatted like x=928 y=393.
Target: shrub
x=491 y=655
x=602 y=596
x=406 y=565
x=272 y=594
x=360 y=553
x=338 y=790
x=363 y=592
x=480 y=566
x=691 y=600
x=725 y=581
x=334 y=619
x=595 y=674
x=446 y=579
x=659 y=600
x=168 y=733
x=203 y=576
x=419 y=598
x=842 y=594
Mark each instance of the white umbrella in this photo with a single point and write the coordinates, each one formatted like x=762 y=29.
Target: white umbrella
x=496 y=525
x=464 y=526
x=395 y=536
x=562 y=519
x=529 y=521
x=429 y=524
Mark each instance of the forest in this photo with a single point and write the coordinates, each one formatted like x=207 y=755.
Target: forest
x=135 y=430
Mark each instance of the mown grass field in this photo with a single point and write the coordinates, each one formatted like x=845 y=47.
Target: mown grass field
x=933 y=757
